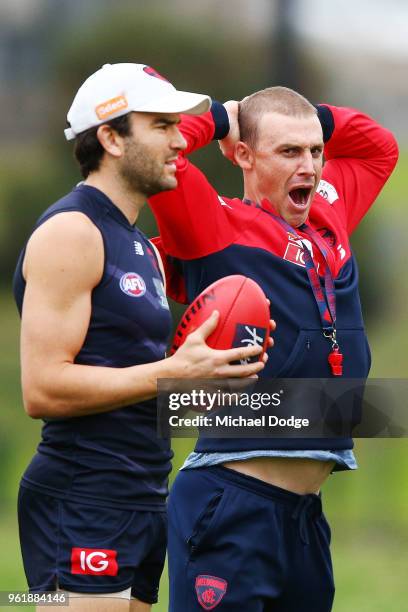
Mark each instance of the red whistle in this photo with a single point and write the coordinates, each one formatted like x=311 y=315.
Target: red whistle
x=335 y=360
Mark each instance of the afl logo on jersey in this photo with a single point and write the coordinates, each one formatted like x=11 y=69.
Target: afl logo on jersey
x=133 y=284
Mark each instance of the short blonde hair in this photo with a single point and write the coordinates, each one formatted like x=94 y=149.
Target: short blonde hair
x=280 y=100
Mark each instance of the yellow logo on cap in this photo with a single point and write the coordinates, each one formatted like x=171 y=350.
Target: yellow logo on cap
x=110 y=107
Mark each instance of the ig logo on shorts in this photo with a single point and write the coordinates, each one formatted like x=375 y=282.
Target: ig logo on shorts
x=94 y=561
x=132 y=284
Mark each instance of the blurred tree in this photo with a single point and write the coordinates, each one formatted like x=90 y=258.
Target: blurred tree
x=196 y=58
x=289 y=62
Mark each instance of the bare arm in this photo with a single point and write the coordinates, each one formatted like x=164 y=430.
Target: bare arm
x=64 y=262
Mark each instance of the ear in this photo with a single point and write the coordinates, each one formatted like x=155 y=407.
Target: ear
x=243 y=155
x=110 y=140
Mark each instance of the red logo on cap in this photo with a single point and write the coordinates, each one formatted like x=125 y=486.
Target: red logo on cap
x=94 y=561
x=152 y=72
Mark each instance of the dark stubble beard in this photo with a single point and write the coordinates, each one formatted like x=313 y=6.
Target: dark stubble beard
x=141 y=172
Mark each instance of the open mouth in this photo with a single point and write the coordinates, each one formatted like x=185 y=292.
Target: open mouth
x=300 y=196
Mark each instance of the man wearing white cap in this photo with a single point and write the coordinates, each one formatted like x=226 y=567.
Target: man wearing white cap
x=95 y=325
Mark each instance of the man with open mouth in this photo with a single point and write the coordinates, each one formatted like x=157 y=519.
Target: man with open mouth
x=246 y=527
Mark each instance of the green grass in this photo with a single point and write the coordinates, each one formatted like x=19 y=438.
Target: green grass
x=12 y=576
x=370 y=569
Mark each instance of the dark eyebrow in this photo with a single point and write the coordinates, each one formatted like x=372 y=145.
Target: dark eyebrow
x=166 y=121
x=287 y=145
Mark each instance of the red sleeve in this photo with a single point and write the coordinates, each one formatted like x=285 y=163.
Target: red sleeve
x=193 y=220
x=197 y=130
x=360 y=157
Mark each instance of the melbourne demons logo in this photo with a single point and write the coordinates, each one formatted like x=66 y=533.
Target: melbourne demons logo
x=210 y=590
x=152 y=72
x=132 y=284
x=94 y=561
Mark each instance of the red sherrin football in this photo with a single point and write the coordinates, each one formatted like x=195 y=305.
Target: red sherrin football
x=244 y=315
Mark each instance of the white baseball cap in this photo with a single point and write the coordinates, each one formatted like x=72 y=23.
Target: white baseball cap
x=118 y=89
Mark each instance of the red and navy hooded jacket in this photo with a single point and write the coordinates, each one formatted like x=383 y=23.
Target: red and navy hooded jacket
x=205 y=236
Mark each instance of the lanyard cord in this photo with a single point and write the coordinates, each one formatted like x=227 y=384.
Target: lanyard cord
x=325 y=297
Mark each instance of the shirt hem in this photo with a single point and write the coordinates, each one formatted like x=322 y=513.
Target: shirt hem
x=151 y=506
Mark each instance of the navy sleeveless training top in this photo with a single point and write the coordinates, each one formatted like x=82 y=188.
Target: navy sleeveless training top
x=112 y=458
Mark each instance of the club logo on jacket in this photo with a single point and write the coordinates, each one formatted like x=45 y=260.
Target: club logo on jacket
x=210 y=590
x=132 y=284
x=94 y=561
x=328 y=236
x=327 y=191
x=331 y=240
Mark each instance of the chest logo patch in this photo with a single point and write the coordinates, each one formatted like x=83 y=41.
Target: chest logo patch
x=327 y=191
x=294 y=251
x=132 y=284
x=210 y=590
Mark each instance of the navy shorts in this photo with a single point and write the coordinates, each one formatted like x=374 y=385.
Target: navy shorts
x=90 y=549
x=237 y=543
